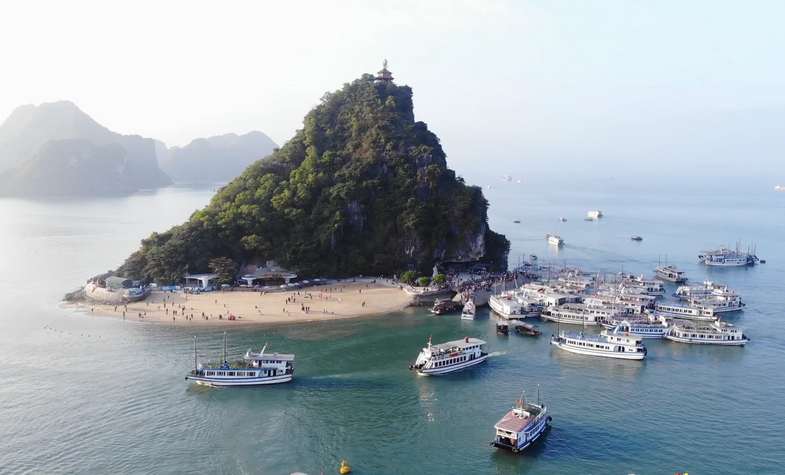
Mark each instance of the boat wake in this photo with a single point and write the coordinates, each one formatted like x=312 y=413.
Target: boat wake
x=496 y=353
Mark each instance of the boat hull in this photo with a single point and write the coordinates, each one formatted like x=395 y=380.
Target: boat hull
x=467 y=316
x=603 y=354
x=675 y=280
x=660 y=332
x=568 y=321
x=728 y=263
x=497 y=309
x=452 y=368
x=651 y=335
x=695 y=341
x=543 y=427
x=226 y=382
x=697 y=318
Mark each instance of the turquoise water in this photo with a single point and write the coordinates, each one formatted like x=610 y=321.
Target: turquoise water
x=97 y=395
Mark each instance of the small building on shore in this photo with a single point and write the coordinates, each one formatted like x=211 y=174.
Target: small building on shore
x=201 y=281
x=268 y=274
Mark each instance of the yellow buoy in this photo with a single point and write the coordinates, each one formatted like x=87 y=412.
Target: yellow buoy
x=344 y=468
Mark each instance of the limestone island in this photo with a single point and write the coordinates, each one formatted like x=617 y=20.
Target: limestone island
x=363 y=189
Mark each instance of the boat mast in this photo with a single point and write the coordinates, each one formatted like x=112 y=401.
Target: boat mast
x=224 y=347
x=195 y=364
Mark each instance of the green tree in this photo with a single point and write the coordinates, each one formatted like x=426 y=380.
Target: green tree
x=439 y=279
x=225 y=268
x=423 y=281
x=408 y=277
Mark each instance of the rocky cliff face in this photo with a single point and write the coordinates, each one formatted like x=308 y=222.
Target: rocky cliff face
x=363 y=188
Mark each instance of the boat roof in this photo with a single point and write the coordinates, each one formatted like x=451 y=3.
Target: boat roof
x=670 y=268
x=513 y=422
x=269 y=356
x=702 y=326
x=601 y=338
x=457 y=344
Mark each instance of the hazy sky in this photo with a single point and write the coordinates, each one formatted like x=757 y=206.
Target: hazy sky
x=530 y=84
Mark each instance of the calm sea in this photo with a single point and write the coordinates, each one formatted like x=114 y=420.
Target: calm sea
x=98 y=395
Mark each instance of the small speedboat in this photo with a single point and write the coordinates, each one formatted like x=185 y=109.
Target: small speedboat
x=554 y=240
x=443 y=306
x=636 y=238
x=526 y=329
x=469 y=309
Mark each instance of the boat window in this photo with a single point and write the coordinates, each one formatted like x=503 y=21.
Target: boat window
x=230 y=373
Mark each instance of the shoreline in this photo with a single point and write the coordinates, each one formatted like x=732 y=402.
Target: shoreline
x=341 y=300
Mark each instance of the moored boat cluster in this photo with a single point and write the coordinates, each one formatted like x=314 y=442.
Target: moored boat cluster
x=629 y=307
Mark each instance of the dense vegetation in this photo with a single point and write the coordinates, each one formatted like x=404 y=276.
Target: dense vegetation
x=361 y=189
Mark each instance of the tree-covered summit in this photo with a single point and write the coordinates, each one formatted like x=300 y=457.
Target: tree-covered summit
x=362 y=188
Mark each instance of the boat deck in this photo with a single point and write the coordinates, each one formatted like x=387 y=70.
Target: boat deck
x=513 y=422
x=456 y=345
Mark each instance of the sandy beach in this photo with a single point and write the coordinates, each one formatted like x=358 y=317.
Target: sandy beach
x=346 y=299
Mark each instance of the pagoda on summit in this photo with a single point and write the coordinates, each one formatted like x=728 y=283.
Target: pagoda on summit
x=383 y=76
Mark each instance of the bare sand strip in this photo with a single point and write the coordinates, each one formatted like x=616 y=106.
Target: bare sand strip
x=344 y=299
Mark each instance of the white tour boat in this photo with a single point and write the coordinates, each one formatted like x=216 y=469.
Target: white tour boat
x=719 y=304
x=706 y=289
x=579 y=314
x=554 y=240
x=724 y=257
x=469 y=310
x=709 y=295
x=594 y=214
x=641 y=285
x=692 y=312
x=513 y=305
x=624 y=297
x=642 y=327
x=607 y=344
x=255 y=369
x=671 y=274
x=715 y=333
x=450 y=356
x=522 y=425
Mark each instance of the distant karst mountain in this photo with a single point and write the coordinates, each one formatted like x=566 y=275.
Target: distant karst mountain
x=56 y=149
x=216 y=159
x=362 y=188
